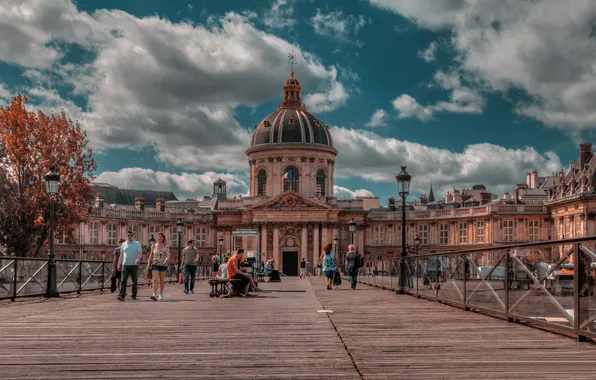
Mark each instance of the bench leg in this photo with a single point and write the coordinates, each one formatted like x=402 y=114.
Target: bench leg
x=213 y=292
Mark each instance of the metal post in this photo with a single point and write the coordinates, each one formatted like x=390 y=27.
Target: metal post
x=80 y=277
x=352 y=237
x=14 y=280
x=179 y=252
x=578 y=316
x=507 y=279
x=403 y=281
x=103 y=273
x=52 y=289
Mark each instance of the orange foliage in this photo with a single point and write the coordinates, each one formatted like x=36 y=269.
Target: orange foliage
x=31 y=142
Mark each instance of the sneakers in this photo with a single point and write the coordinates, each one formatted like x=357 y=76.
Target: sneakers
x=120 y=298
x=161 y=297
x=192 y=292
x=153 y=297
x=185 y=291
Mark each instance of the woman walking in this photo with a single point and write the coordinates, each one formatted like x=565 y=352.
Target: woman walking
x=329 y=266
x=158 y=260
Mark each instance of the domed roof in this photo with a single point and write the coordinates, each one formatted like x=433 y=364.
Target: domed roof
x=291 y=123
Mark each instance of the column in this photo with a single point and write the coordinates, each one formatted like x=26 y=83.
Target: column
x=264 y=243
x=275 y=254
x=304 y=244
x=315 y=246
x=227 y=242
x=359 y=239
x=325 y=237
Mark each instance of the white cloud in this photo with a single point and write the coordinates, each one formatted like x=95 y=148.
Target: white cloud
x=430 y=53
x=378 y=119
x=166 y=85
x=345 y=193
x=407 y=106
x=280 y=16
x=184 y=185
x=545 y=48
x=337 y=26
x=367 y=155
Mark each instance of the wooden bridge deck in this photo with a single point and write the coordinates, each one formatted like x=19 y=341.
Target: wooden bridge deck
x=372 y=334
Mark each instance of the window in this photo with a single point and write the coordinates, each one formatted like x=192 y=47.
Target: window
x=320 y=184
x=567 y=229
x=423 y=233
x=508 y=230
x=463 y=232
x=62 y=239
x=291 y=179
x=112 y=233
x=533 y=230
x=379 y=235
x=94 y=232
x=480 y=232
x=398 y=234
x=175 y=237
x=201 y=236
x=153 y=230
x=135 y=231
x=262 y=182
x=578 y=226
x=443 y=233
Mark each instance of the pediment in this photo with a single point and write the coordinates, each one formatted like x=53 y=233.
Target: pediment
x=290 y=201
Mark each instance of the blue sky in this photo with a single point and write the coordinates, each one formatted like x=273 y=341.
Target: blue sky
x=169 y=91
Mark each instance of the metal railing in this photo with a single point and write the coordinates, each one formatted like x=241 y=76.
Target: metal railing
x=549 y=284
x=27 y=277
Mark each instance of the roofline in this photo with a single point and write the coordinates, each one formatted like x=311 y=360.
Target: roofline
x=284 y=146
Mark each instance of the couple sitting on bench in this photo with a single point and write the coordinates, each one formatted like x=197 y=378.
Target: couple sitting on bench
x=232 y=270
x=270 y=272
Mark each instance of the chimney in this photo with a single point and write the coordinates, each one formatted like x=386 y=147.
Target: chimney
x=533 y=179
x=140 y=203
x=99 y=200
x=585 y=152
x=516 y=195
x=506 y=196
x=391 y=203
x=529 y=179
x=160 y=204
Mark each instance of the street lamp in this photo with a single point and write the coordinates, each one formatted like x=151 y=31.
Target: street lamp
x=403 y=188
x=221 y=241
x=52 y=183
x=352 y=225
x=179 y=229
x=336 y=244
x=151 y=242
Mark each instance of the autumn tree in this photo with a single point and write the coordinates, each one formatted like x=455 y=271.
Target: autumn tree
x=30 y=143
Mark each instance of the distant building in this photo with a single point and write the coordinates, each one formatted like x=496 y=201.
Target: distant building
x=292 y=206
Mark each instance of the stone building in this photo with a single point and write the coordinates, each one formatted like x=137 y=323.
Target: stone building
x=292 y=207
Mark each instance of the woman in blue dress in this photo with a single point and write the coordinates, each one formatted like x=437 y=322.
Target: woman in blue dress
x=329 y=265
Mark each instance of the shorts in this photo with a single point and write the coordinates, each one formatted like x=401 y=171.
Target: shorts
x=215 y=267
x=159 y=268
x=118 y=274
x=302 y=270
x=244 y=279
x=330 y=274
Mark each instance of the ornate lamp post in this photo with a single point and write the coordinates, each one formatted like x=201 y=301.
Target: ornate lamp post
x=179 y=229
x=403 y=188
x=52 y=180
x=221 y=241
x=352 y=225
x=151 y=242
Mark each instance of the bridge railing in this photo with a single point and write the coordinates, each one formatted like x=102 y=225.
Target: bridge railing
x=548 y=284
x=28 y=277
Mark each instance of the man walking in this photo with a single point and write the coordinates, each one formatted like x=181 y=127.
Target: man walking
x=130 y=256
x=353 y=263
x=117 y=273
x=303 y=268
x=190 y=258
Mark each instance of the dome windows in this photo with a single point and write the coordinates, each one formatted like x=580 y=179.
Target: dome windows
x=320 y=183
x=291 y=122
x=290 y=179
x=262 y=183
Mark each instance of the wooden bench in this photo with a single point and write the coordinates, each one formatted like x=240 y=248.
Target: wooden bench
x=225 y=287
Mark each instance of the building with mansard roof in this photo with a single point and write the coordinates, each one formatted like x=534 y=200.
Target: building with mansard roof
x=291 y=205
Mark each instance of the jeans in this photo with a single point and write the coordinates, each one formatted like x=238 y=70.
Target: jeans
x=190 y=272
x=353 y=275
x=133 y=272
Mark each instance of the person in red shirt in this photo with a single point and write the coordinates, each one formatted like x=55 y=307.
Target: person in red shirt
x=235 y=272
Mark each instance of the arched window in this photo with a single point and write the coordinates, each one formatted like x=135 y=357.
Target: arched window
x=262 y=182
x=320 y=184
x=290 y=179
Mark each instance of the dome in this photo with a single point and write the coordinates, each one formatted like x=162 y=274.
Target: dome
x=291 y=123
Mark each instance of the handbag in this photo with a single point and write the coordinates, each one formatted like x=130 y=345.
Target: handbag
x=180 y=278
x=149 y=273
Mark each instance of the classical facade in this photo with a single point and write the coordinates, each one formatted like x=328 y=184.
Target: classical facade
x=292 y=206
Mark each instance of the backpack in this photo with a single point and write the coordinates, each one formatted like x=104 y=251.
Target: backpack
x=359 y=260
x=214 y=259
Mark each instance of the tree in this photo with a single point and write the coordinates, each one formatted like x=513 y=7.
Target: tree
x=31 y=142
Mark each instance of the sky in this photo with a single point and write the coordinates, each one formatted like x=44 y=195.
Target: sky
x=463 y=92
